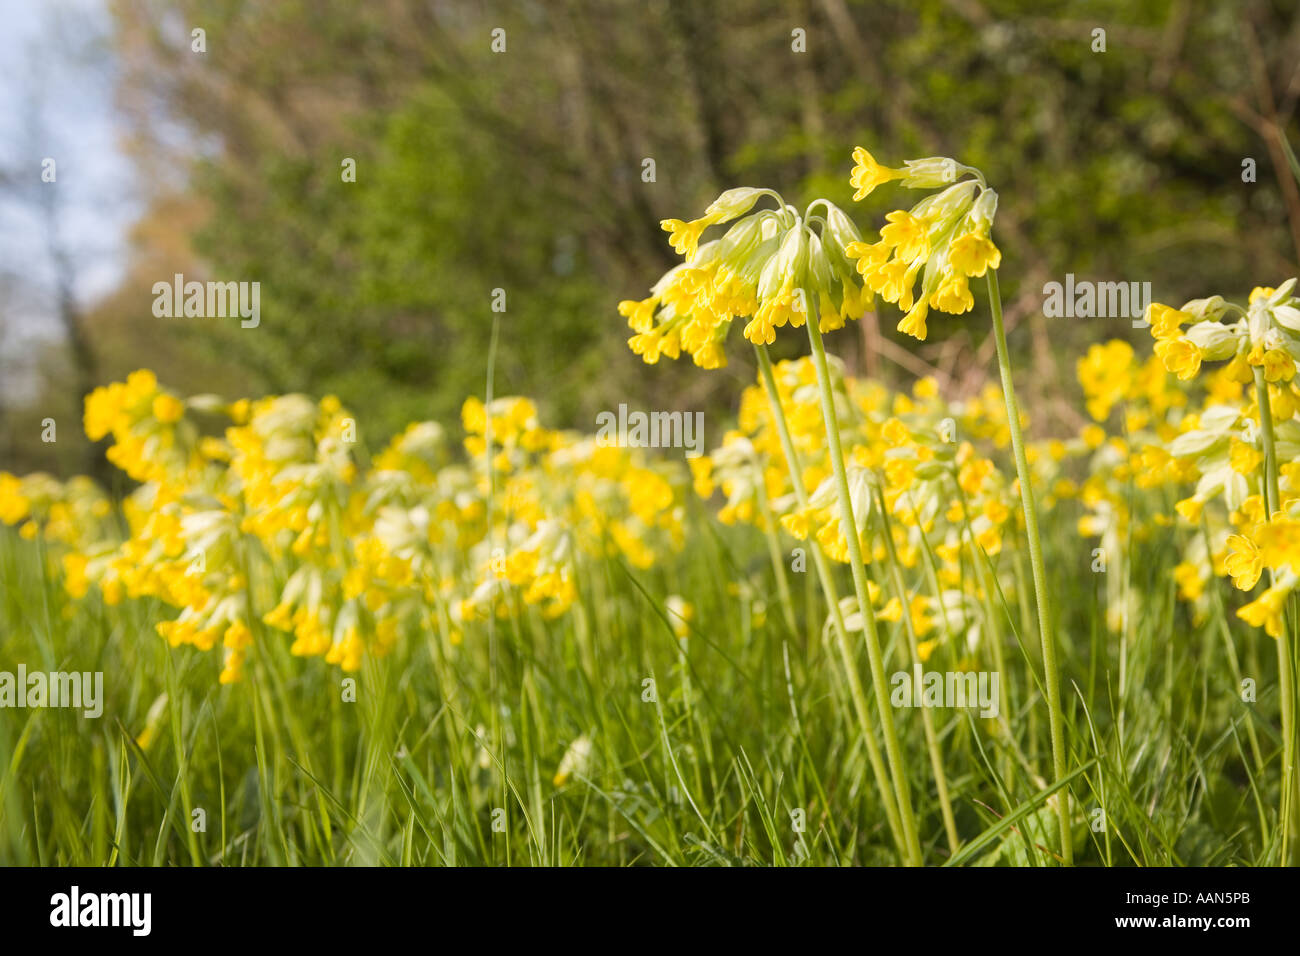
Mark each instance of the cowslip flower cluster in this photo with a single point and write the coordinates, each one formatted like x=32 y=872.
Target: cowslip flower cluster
x=151 y=438
x=943 y=240
x=774 y=267
x=1221 y=449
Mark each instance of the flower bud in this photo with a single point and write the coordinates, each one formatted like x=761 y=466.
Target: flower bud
x=982 y=211
x=819 y=267
x=733 y=203
x=840 y=230
x=931 y=172
x=1215 y=340
x=947 y=205
x=1206 y=310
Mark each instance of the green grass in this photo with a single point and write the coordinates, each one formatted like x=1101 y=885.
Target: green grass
x=749 y=723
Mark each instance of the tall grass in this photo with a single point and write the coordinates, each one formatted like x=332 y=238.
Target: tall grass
x=745 y=750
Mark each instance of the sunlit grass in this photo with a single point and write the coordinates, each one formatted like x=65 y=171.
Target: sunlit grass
x=749 y=736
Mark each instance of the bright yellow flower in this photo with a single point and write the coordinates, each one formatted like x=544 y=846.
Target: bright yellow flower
x=907 y=234
x=1181 y=356
x=867 y=174
x=1266 y=611
x=953 y=295
x=167 y=408
x=1244 y=459
x=684 y=237
x=1244 y=562
x=1190 y=583
x=1190 y=508
x=1279 y=366
x=913 y=323
x=973 y=254
x=1166 y=322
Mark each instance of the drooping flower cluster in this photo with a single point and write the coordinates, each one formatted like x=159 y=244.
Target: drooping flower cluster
x=773 y=267
x=943 y=240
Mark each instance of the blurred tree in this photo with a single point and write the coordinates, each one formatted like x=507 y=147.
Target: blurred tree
x=526 y=169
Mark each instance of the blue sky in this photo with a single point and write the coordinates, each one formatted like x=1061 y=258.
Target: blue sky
x=56 y=101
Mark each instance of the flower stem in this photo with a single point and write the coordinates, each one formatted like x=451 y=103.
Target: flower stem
x=1051 y=673
x=774 y=552
x=1285 y=656
x=918 y=675
x=856 y=691
x=848 y=526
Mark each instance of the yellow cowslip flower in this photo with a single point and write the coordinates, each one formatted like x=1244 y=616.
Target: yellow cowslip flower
x=773 y=266
x=1190 y=509
x=953 y=295
x=895 y=432
x=14 y=506
x=869 y=256
x=1279 y=366
x=972 y=475
x=1251 y=511
x=1106 y=374
x=702 y=475
x=1243 y=458
x=347 y=650
x=1191 y=584
x=1244 y=562
x=1284 y=401
x=1266 y=610
x=684 y=237
x=1238 y=371
x=1279 y=542
x=867 y=174
x=925 y=388
x=167 y=408
x=913 y=323
x=907 y=234
x=973 y=254
x=946 y=234
x=1180 y=356
x=1166 y=322
x=151 y=440
x=893 y=282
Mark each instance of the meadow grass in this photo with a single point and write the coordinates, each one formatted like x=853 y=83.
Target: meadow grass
x=746 y=753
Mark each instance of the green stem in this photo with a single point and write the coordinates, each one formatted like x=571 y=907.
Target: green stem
x=774 y=551
x=1286 y=676
x=856 y=691
x=918 y=675
x=848 y=525
x=1052 y=677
